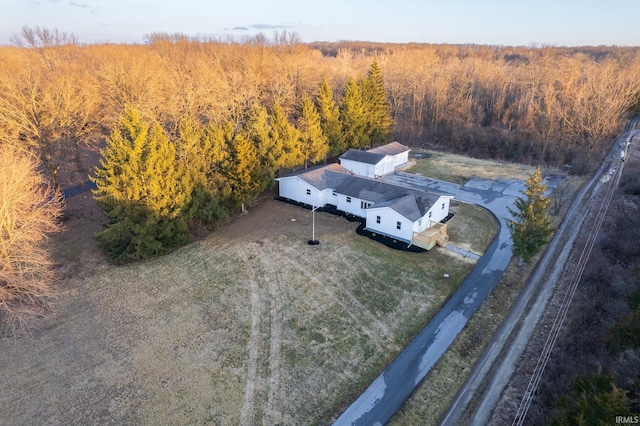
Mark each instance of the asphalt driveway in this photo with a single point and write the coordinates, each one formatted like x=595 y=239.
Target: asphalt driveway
x=384 y=397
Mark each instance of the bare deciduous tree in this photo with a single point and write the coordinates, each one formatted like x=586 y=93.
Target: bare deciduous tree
x=29 y=211
x=51 y=110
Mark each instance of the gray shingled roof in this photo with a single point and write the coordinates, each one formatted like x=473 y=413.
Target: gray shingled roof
x=323 y=177
x=410 y=203
x=411 y=206
x=362 y=156
x=392 y=148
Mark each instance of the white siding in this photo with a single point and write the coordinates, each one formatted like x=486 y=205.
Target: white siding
x=332 y=197
x=323 y=197
x=388 y=225
x=353 y=207
x=401 y=158
x=361 y=169
x=296 y=189
x=389 y=219
x=436 y=213
x=385 y=166
x=381 y=168
x=440 y=209
x=422 y=223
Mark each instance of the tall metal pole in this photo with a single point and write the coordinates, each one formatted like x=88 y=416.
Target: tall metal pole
x=313 y=221
x=313 y=240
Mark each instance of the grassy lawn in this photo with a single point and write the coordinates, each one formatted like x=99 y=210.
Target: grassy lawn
x=251 y=325
x=248 y=326
x=459 y=169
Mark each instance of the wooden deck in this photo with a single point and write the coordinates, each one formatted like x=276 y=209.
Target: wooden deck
x=432 y=236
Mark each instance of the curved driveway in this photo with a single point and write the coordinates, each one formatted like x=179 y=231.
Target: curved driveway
x=384 y=397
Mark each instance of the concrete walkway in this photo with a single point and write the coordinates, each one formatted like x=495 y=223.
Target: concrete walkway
x=462 y=252
x=384 y=397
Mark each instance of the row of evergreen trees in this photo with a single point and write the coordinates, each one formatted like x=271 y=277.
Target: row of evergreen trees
x=155 y=187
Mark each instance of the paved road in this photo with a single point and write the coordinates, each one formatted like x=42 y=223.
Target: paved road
x=541 y=284
x=384 y=397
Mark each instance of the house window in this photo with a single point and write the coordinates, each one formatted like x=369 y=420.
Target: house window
x=398 y=225
x=364 y=205
x=442 y=206
x=348 y=199
x=308 y=192
x=429 y=214
x=377 y=219
x=419 y=222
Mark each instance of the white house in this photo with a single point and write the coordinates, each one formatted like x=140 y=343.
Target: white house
x=403 y=214
x=377 y=161
x=414 y=219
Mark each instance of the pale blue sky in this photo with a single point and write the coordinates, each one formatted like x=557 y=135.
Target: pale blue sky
x=498 y=22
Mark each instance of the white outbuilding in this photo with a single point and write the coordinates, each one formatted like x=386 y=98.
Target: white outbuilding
x=375 y=162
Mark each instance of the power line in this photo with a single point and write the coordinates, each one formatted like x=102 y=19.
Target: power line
x=554 y=332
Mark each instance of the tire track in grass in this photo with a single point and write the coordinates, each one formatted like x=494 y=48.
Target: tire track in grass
x=268 y=259
x=248 y=405
x=365 y=319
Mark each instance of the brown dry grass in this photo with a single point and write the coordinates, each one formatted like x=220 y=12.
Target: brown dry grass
x=250 y=325
x=459 y=169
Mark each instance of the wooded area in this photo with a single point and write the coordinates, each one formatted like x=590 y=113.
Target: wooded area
x=233 y=114
x=552 y=105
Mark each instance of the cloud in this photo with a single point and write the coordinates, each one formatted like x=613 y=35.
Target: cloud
x=270 y=27
x=91 y=7
x=260 y=27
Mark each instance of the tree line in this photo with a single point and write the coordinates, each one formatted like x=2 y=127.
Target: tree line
x=155 y=186
x=538 y=105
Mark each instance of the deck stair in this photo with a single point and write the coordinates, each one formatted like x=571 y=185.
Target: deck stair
x=432 y=236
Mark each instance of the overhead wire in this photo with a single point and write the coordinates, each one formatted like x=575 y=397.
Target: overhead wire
x=554 y=332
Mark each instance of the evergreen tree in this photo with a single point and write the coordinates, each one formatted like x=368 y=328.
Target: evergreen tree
x=353 y=117
x=269 y=147
x=288 y=135
x=313 y=141
x=217 y=139
x=142 y=189
x=240 y=170
x=594 y=400
x=376 y=107
x=530 y=227
x=202 y=150
x=330 y=118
